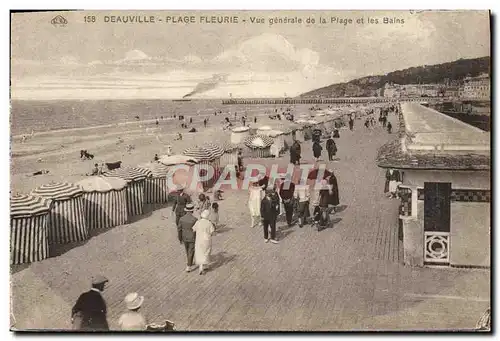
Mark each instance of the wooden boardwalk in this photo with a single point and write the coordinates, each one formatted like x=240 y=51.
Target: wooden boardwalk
x=349 y=277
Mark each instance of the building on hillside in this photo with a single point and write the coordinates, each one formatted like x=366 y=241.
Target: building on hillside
x=451 y=92
x=445 y=191
x=477 y=87
x=391 y=90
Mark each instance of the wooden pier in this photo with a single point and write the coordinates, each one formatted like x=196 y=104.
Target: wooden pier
x=345 y=100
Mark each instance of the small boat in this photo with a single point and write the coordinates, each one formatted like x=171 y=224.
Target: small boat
x=181 y=100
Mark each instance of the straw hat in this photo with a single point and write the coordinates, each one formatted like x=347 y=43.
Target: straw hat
x=205 y=214
x=133 y=301
x=99 y=279
x=189 y=207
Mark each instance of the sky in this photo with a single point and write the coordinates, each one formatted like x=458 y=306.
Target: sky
x=170 y=60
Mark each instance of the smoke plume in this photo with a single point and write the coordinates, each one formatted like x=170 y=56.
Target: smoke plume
x=207 y=85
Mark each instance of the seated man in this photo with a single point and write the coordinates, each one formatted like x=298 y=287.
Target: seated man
x=95 y=170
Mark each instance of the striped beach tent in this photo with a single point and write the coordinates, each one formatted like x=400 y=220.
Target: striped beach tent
x=156 y=191
x=230 y=156
x=258 y=146
x=208 y=154
x=136 y=178
x=66 y=220
x=29 y=240
x=105 y=201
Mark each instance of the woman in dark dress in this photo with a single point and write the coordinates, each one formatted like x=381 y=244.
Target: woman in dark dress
x=317 y=150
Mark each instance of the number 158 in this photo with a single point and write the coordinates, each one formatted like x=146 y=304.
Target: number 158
x=89 y=18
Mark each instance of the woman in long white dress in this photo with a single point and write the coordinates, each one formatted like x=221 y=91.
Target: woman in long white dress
x=203 y=242
x=256 y=194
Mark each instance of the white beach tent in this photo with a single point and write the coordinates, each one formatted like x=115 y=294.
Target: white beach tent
x=178 y=159
x=263 y=130
x=239 y=134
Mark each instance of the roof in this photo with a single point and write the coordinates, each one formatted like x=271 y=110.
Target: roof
x=391 y=155
x=430 y=130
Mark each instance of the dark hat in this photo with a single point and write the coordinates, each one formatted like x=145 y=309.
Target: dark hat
x=99 y=279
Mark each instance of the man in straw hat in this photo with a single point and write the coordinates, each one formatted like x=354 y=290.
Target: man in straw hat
x=187 y=235
x=89 y=311
x=133 y=320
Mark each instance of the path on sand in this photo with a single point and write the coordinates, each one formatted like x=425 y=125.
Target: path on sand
x=343 y=278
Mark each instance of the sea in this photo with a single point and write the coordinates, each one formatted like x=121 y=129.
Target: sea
x=42 y=116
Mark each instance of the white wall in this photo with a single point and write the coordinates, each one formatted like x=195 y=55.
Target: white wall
x=470 y=234
x=458 y=179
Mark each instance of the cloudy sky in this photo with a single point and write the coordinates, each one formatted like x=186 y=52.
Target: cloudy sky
x=167 y=60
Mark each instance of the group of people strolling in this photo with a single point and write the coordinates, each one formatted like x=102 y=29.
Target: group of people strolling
x=196 y=233
x=331 y=147
x=266 y=203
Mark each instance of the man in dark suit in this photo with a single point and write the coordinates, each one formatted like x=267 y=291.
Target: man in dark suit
x=331 y=148
x=287 y=190
x=187 y=235
x=89 y=311
x=180 y=204
x=269 y=211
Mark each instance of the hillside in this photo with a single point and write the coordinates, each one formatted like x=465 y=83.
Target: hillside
x=368 y=86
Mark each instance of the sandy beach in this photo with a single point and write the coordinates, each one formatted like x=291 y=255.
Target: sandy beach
x=59 y=151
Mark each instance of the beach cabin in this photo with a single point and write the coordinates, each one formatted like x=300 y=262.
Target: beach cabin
x=239 y=134
x=29 y=236
x=181 y=173
x=155 y=187
x=230 y=156
x=258 y=146
x=66 y=220
x=136 y=179
x=208 y=154
x=104 y=201
x=445 y=191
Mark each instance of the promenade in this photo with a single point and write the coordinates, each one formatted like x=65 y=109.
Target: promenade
x=348 y=277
